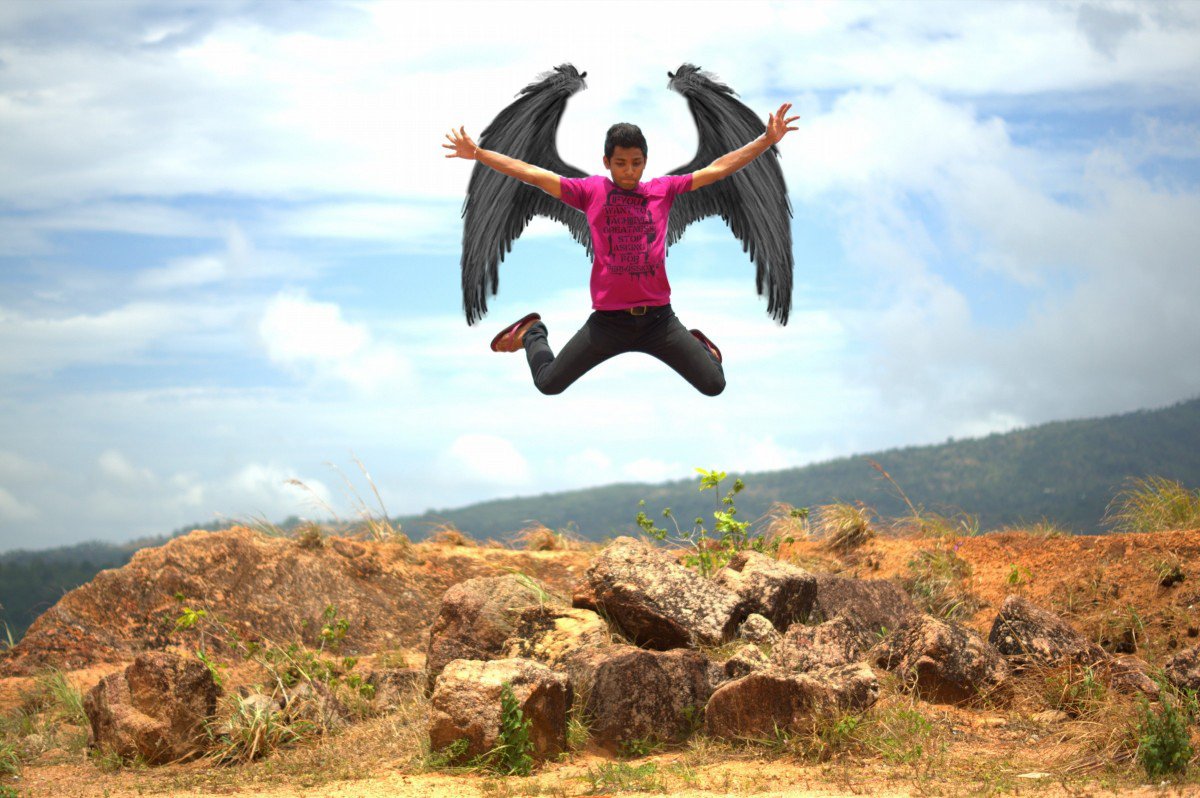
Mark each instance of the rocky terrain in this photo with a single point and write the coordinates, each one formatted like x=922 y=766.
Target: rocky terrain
x=224 y=661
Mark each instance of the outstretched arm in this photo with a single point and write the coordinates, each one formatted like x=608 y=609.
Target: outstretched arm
x=462 y=147
x=777 y=128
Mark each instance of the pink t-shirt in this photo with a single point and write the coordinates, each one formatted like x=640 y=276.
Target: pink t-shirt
x=629 y=231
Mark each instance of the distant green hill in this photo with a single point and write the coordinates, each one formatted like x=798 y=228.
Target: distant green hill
x=1065 y=472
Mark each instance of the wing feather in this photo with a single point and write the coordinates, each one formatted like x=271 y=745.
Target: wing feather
x=753 y=201
x=498 y=208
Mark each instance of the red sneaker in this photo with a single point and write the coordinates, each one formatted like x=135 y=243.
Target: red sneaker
x=512 y=337
x=709 y=345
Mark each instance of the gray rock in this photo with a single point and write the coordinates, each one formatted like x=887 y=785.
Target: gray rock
x=747 y=660
x=637 y=694
x=1183 y=669
x=476 y=619
x=831 y=644
x=764 y=701
x=757 y=629
x=942 y=661
x=779 y=591
x=1030 y=635
x=466 y=704
x=156 y=708
x=875 y=605
x=658 y=603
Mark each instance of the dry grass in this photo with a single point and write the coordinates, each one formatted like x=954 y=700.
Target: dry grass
x=1153 y=504
x=539 y=537
x=445 y=533
x=842 y=526
x=784 y=524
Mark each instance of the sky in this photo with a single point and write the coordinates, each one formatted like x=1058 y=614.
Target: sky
x=229 y=246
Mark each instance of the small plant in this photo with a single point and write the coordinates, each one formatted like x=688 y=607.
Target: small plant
x=1164 y=745
x=445 y=758
x=1168 y=571
x=637 y=747
x=1075 y=690
x=710 y=551
x=1018 y=576
x=255 y=730
x=7 y=642
x=63 y=698
x=310 y=536
x=936 y=580
x=8 y=792
x=10 y=764
x=1154 y=504
x=613 y=777
x=513 y=754
x=844 y=526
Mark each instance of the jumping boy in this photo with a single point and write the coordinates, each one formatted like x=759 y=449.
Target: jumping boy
x=630 y=293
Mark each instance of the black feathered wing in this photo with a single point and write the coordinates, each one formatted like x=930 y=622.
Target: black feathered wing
x=498 y=208
x=753 y=201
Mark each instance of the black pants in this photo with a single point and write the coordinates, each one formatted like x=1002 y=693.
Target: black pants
x=611 y=332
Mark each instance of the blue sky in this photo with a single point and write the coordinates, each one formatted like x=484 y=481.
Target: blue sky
x=229 y=246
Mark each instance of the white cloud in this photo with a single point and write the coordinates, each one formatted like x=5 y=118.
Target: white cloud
x=312 y=338
x=13 y=509
x=115 y=466
x=485 y=459
x=651 y=469
x=45 y=344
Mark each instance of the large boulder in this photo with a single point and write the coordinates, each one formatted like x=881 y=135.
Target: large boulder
x=1030 y=635
x=941 y=660
x=657 y=602
x=476 y=619
x=633 y=694
x=781 y=592
x=466 y=705
x=873 y=604
x=767 y=701
x=156 y=709
x=836 y=642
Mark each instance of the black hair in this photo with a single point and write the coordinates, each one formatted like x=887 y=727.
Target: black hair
x=624 y=134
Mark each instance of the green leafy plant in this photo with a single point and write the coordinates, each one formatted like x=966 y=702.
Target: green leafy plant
x=711 y=550
x=1153 y=504
x=513 y=754
x=7 y=642
x=1018 y=576
x=1164 y=745
x=8 y=792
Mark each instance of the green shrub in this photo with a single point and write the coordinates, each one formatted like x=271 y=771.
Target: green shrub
x=1164 y=745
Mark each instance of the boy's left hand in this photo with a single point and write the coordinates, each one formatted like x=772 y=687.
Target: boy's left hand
x=777 y=124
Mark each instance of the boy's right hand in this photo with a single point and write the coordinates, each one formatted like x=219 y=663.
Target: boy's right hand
x=461 y=144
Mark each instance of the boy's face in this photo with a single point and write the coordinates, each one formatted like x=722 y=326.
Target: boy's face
x=626 y=166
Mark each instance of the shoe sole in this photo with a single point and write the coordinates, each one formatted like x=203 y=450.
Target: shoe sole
x=511 y=329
